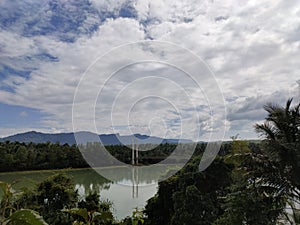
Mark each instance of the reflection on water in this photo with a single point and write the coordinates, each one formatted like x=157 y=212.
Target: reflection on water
x=131 y=188
x=135 y=182
x=123 y=201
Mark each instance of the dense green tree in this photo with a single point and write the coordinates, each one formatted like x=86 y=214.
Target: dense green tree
x=11 y=213
x=191 y=196
x=20 y=156
x=53 y=200
x=282 y=143
x=266 y=179
x=159 y=209
x=282 y=149
x=249 y=200
x=92 y=211
x=137 y=218
x=93 y=205
x=50 y=197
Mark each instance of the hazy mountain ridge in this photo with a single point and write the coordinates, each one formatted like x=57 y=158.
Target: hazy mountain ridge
x=82 y=137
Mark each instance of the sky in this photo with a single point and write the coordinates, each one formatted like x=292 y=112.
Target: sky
x=70 y=65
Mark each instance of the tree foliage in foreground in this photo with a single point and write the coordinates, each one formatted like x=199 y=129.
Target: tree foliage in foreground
x=190 y=196
x=258 y=182
x=55 y=193
x=249 y=200
x=11 y=214
x=281 y=147
x=282 y=144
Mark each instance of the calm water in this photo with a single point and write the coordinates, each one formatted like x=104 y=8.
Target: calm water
x=128 y=190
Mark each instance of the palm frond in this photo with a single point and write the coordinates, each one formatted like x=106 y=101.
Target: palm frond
x=266 y=130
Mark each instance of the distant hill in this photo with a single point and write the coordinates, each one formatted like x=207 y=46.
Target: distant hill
x=83 y=137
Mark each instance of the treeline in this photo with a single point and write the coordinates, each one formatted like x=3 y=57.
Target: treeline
x=17 y=156
x=20 y=156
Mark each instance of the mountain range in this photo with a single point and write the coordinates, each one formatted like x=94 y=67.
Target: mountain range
x=84 y=137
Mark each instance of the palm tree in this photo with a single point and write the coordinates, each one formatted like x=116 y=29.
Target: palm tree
x=281 y=146
x=282 y=124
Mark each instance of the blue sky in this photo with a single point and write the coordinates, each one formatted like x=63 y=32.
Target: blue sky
x=251 y=47
x=16 y=116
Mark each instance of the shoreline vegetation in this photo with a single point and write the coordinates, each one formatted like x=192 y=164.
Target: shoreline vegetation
x=17 y=156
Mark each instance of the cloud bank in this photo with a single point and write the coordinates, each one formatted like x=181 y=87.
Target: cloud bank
x=252 y=47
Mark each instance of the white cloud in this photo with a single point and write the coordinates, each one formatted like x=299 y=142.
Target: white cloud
x=14 y=45
x=51 y=87
x=252 y=46
x=23 y=114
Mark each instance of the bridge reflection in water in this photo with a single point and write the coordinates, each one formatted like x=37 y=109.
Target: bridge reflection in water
x=135 y=182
